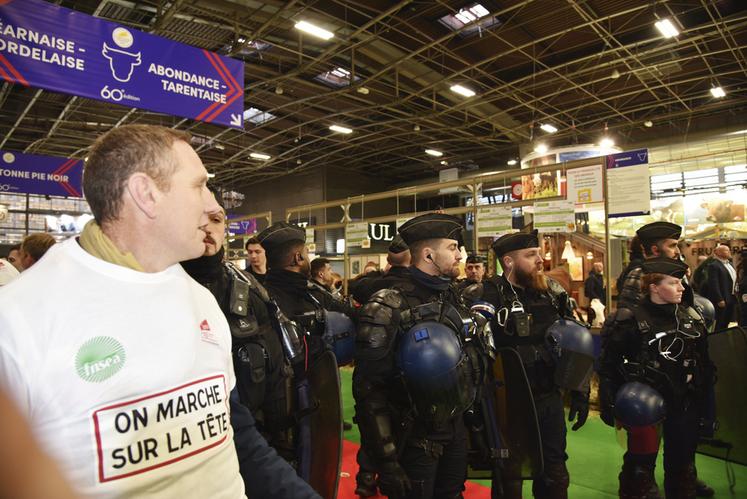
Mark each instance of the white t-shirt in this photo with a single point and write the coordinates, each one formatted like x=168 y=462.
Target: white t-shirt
x=124 y=375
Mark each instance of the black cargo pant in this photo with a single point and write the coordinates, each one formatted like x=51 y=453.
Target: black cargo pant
x=436 y=461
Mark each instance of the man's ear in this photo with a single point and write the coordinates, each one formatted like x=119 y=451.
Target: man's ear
x=144 y=193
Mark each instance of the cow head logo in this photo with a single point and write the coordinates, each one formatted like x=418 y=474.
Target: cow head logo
x=122 y=63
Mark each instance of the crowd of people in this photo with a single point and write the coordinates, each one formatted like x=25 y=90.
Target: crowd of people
x=147 y=365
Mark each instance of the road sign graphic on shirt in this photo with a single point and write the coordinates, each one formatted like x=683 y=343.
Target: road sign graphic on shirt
x=99 y=359
x=154 y=430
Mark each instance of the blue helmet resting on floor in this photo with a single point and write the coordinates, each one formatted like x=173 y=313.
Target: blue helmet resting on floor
x=339 y=335
x=572 y=347
x=436 y=370
x=637 y=404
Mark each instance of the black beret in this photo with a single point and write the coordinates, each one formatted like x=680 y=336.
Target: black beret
x=432 y=226
x=397 y=245
x=666 y=266
x=656 y=231
x=279 y=233
x=473 y=258
x=515 y=241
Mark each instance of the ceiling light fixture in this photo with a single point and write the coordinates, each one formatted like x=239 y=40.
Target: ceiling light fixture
x=648 y=123
x=259 y=155
x=718 y=92
x=548 y=128
x=511 y=162
x=462 y=90
x=606 y=143
x=444 y=162
x=540 y=148
x=433 y=152
x=666 y=28
x=211 y=175
x=314 y=30
x=340 y=129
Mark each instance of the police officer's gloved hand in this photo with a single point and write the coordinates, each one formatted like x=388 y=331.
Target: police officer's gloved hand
x=579 y=409
x=606 y=402
x=393 y=480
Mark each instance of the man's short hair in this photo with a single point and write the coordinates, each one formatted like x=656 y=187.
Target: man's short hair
x=317 y=265
x=416 y=248
x=117 y=155
x=35 y=245
x=280 y=256
x=252 y=240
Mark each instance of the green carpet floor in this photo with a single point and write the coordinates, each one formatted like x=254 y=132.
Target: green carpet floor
x=595 y=458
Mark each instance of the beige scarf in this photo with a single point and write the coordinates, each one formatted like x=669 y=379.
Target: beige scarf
x=98 y=244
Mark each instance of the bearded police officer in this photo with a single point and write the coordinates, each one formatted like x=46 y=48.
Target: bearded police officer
x=655 y=366
x=416 y=370
x=530 y=309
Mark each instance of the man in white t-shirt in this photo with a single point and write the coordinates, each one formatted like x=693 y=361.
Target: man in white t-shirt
x=120 y=361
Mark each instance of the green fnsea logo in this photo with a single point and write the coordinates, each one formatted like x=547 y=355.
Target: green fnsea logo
x=99 y=359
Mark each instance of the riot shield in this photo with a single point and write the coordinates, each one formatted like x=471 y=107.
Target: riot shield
x=728 y=351
x=320 y=426
x=510 y=419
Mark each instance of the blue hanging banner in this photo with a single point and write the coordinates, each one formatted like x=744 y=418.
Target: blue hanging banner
x=22 y=173
x=54 y=48
x=627 y=158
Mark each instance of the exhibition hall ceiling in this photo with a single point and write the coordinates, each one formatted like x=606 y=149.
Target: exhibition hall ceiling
x=589 y=69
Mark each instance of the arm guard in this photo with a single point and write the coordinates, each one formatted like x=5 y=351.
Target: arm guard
x=630 y=294
x=617 y=339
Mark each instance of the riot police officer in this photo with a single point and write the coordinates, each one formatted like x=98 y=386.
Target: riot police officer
x=527 y=305
x=398 y=259
x=655 y=359
x=259 y=362
x=471 y=285
x=415 y=370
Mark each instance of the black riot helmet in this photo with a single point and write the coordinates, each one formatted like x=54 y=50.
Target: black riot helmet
x=436 y=371
x=637 y=404
x=572 y=347
x=706 y=310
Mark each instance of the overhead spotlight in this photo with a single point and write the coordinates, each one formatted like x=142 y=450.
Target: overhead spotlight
x=666 y=28
x=548 y=128
x=718 y=92
x=462 y=90
x=416 y=128
x=511 y=162
x=648 y=123
x=279 y=90
x=433 y=152
x=340 y=129
x=540 y=148
x=314 y=30
x=362 y=90
x=298 y=161
x=259 y=155
x=444 y=162
x=606 y=143
x=211 y=175
x=615 y=74
x=241 y=39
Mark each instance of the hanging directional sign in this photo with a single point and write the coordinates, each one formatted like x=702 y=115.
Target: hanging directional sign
x=37 y=174
x=628 y=185
x=51 y=47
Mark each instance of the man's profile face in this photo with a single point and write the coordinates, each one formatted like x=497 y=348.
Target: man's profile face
x=184 y=205
x=526 y=268
x=14 y=257
x=256 y=255
x=447 y=256
x=326 y=275
x=474 y=271
x=215 y=232
x=305 y=264
x=668 y=248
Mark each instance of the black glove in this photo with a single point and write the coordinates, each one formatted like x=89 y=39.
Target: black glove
x=606 y=402
x=579 y=409
x=393 y=480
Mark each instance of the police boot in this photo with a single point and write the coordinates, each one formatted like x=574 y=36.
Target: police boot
x=553 y=484
x=680 y=484
x=703 y=490
x=365 y=484
x=509 y=489
x=637 y=482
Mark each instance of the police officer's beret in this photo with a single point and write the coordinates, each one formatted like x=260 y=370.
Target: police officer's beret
x=473 y=258
x=279 y=233
x=515 y=241
x=397 y=245
x=656 y=231
x=665 y=265
x=432 y=226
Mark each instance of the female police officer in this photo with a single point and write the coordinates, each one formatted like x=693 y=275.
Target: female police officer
x=655 y=359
